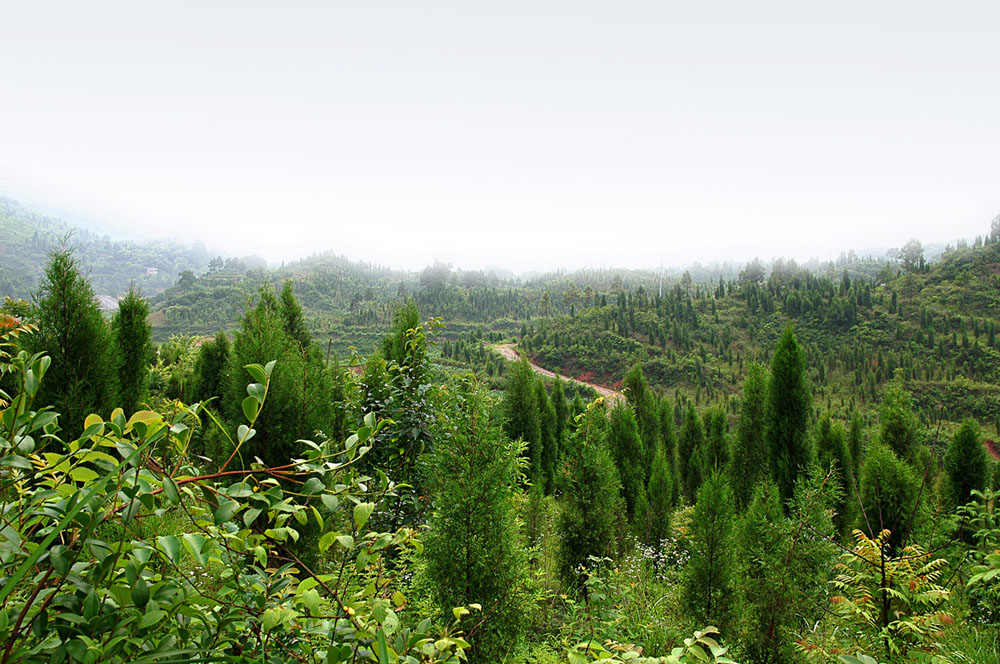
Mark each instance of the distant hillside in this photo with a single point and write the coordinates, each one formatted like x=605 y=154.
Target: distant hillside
x=27 y=237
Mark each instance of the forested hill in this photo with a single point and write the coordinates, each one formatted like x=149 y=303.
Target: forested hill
x=27 y=238
x=935 y=325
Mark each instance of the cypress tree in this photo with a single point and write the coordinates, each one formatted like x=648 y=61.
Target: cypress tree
x=472 y=548
x=689 y=449
x=629 y=456
x=900 y=426
x=788 y=406
x=832 y=453
x=561 y=408
x=134 y=348
x=716 y=455
x=643 y=403
x=965 y=463
x=660 y=491
x=292 y=317
x=547 y=429
x=211 y=369
x=593 y=504
x=708 y=575
x=889 y=489
x=72 y=331
x=668 y=439
x=855 y=442
x=521 y=410
x=749 y=461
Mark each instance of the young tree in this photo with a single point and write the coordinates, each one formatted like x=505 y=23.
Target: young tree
x=966 y=463
x=668 y=439
x=547 y=428
x=900 y=426
x=889 y=494
x=211 y=369
x=72 y=331
x=716 y=455
x=292 y=317
x=643 y=403
x=593 y=503
x=134 y=348
x=749 y=462
x=561 y=408
x=660 y=491
x=520 y=407
x=472 y=548
x=855 y=443
x=708 y=575
x=788 y=405
x=832 y=453
x=627 y=450
x=689 y=450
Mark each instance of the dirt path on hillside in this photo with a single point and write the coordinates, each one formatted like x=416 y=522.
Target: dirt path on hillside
x=507 y=350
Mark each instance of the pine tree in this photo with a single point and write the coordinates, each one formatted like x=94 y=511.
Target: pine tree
x=749 y=461
x=708 y=575
x=133 y=346
x=689 y=449
x=855 y=443
x=788 y=405
x=561 y=408
x=72 y=331
x=472 y=548
x=966 y=463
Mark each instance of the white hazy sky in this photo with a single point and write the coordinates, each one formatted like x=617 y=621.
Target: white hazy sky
x=524 y=134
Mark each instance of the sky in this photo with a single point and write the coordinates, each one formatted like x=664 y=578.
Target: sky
x=527 y=135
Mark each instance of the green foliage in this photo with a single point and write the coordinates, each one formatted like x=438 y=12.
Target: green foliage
x=689 y=447
x=642 y=401
x=889 y=495
x=749 y=461
x=900 y=428
x=593 y=504
x=788 y=405
x=668 y=439
x=522 y=421
x=777 y=559
x=708 y=576
x=965 y=462
x=716 y=452
x=120 y=549
x=72 y=332
x=549 y=442
x=660 y=491
x=210 y=376
x=833 y=454
x=892 y=605
x=627 y=449
x=472 y=548
x=292 y=317
x=133 y=348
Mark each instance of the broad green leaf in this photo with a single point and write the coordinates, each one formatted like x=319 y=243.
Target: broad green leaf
x=257 y=372
x=152 y=618
x=170 y=490
x=140 y=593
x=250 y=407
x=269 y=367
x=195 y=544
x=361 y=513
x=170 y=545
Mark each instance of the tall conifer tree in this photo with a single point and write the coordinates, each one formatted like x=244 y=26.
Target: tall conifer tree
x=788 y=405
x=749 y=461
x=134 y=349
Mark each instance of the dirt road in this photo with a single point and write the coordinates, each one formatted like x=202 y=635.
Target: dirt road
x=507 y=350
